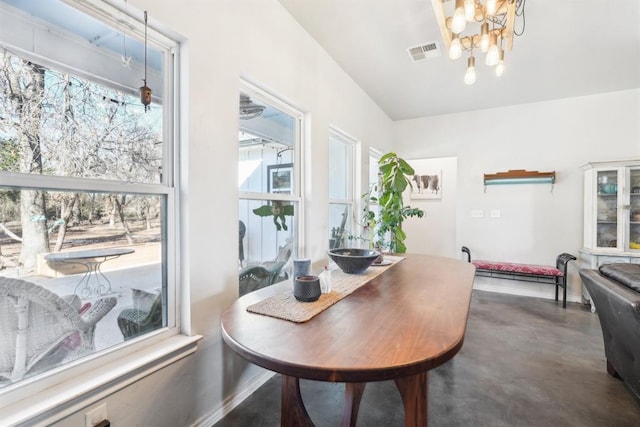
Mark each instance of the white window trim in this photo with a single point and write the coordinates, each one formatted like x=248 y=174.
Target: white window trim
x=375 y=154
x=55 y=394
x=43 y=45
x=47 y=406
x=353 y=196
x=275 y=101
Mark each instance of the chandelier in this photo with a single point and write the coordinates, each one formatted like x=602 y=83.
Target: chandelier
x=248 y=108
x=484 y=25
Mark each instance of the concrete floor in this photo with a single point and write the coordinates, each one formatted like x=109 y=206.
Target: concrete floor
x=525 y=362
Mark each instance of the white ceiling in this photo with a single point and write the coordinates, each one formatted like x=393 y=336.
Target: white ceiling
x=569 y=48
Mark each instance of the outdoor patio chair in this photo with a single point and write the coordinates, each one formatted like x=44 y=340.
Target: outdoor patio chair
x=40 y=329
x=281 y=265
x=241 y=232
x=255 y=277
x=141 y=318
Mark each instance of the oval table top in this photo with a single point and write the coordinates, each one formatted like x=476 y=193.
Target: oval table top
x=88 y=253
x=409 y=319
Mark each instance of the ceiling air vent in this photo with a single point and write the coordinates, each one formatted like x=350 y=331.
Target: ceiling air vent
x=424 y=51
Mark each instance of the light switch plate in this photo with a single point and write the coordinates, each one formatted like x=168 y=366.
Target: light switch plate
x=477 y=213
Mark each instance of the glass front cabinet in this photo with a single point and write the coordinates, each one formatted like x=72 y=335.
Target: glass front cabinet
x=612 y=207
x=611 y=214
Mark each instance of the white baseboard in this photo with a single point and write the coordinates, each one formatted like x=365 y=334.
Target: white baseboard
x=234 y=400
x=525 y=292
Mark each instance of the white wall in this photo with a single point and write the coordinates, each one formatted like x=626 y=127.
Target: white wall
x=435 y=232
x=535 y=223
x=227 y=39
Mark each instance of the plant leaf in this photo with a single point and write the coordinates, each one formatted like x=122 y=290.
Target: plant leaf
x=385 y=169
x=405 y=167
x=399 y=183
x=386 y=157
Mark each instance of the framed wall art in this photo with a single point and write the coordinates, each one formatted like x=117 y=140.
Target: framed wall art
x=427 y=183
x=280 y=178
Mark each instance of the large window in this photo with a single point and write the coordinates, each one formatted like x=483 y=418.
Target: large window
x=87 y=187
x=374 y=169
x=341 y=188
x=269 y=184
x=369 y=203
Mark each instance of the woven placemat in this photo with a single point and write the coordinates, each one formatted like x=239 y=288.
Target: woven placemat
x=285 y=306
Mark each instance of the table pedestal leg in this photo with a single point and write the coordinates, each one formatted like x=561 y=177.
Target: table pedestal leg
x=83 y=291
x=83 y=288
x=413 y=390
x=292 y=410
x=352 y=396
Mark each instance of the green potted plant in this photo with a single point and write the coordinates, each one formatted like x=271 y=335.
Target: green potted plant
x=385 y=226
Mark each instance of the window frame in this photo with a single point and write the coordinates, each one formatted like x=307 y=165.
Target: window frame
x=52 y=395
x=375 y=155
x=373 y=159
x=296 y=196
x=351 y=200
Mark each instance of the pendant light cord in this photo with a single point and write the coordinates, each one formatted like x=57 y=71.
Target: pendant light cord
x=145 y=47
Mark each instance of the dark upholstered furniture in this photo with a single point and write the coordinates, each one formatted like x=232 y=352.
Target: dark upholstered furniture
x=615 y=291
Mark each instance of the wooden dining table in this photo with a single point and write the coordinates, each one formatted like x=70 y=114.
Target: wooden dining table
x=397 y=326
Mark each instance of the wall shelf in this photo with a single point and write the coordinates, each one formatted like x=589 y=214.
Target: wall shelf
x=519 y=176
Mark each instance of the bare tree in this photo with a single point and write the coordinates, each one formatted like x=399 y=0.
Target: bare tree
x=120 y=201
x=9 y=198
x=118 y=147
x=66 y=126
x=66 y=210
x=23 y=86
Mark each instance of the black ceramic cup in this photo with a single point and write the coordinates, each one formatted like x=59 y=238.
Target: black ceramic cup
x=306 y=288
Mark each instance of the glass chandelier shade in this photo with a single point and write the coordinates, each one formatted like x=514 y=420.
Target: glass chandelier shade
x=500 y=66
x=455 y=50
x=484 y=37
x=493 y=54
x=491 y=7
x=469 y=10
x=470 y=75
x=458 y=22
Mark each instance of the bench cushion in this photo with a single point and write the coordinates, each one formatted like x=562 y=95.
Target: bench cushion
x=510 y=267
x=626 y=274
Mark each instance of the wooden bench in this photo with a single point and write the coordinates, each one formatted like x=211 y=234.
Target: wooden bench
x=526 y=272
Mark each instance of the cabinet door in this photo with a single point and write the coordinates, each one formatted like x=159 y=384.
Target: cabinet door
x=608 y=229
x=634 y=209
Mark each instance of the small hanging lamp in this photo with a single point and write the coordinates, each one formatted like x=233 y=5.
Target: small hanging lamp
x=145 y=91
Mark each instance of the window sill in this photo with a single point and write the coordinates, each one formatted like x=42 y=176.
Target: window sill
x=54 y=403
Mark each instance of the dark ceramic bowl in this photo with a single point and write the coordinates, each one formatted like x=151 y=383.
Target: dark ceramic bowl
x=353 y=260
